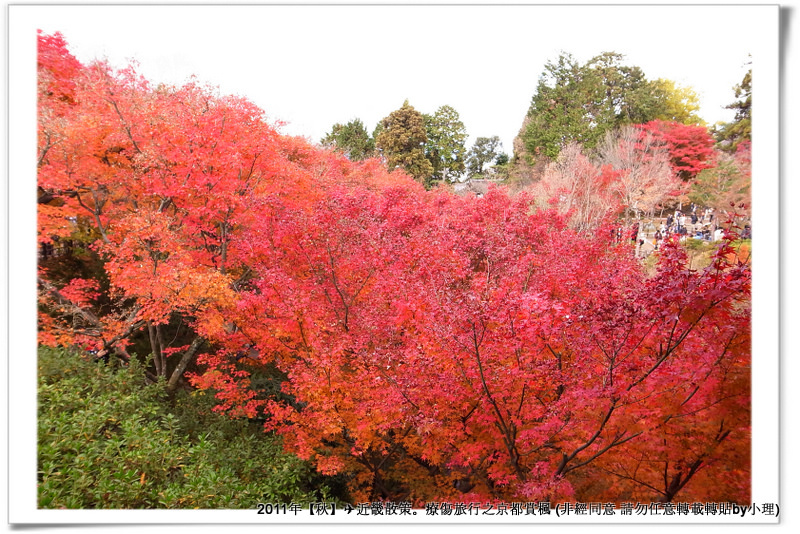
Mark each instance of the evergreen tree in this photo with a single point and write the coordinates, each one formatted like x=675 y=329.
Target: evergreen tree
x=445 y=147
x=485 y=150
x=564 y=108
x=580 y=103
x=730 y=135
x=402 y=139
x=352 y=139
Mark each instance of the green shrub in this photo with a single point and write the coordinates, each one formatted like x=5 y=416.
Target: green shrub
x=109 y=440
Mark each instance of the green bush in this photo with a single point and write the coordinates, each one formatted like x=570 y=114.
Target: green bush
x=109 y=440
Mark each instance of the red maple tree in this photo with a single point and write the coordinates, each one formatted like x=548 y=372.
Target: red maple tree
x=691 y=147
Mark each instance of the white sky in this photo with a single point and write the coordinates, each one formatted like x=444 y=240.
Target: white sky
x=313 y=66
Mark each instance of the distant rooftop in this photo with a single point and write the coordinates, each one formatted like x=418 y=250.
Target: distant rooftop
x=477 y=186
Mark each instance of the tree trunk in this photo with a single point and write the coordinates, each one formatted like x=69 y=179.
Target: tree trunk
x=155 y=350
x=187 y=357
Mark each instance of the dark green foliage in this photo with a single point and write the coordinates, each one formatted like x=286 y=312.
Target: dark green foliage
x=580 y=103
x=445 y=147
x=567 y=106
x=352 y=139
x=108 y=440
x=730 y=135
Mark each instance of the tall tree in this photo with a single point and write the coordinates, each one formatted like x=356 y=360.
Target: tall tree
x=565 y=108
x=445 y=146
x=485 y=151
x=730 y=135
x=627 y=95
x=580 y=102
x=402 y=139
x=351 y=139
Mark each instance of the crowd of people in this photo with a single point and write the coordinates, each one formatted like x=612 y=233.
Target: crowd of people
x=695 y=223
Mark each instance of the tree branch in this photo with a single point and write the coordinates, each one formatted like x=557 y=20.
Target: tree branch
x=187 y=357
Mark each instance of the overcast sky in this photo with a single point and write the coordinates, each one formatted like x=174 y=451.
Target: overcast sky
x=313 y=66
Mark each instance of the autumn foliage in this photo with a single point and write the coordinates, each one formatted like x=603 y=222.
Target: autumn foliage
x=432 y=346
x=691 y=147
